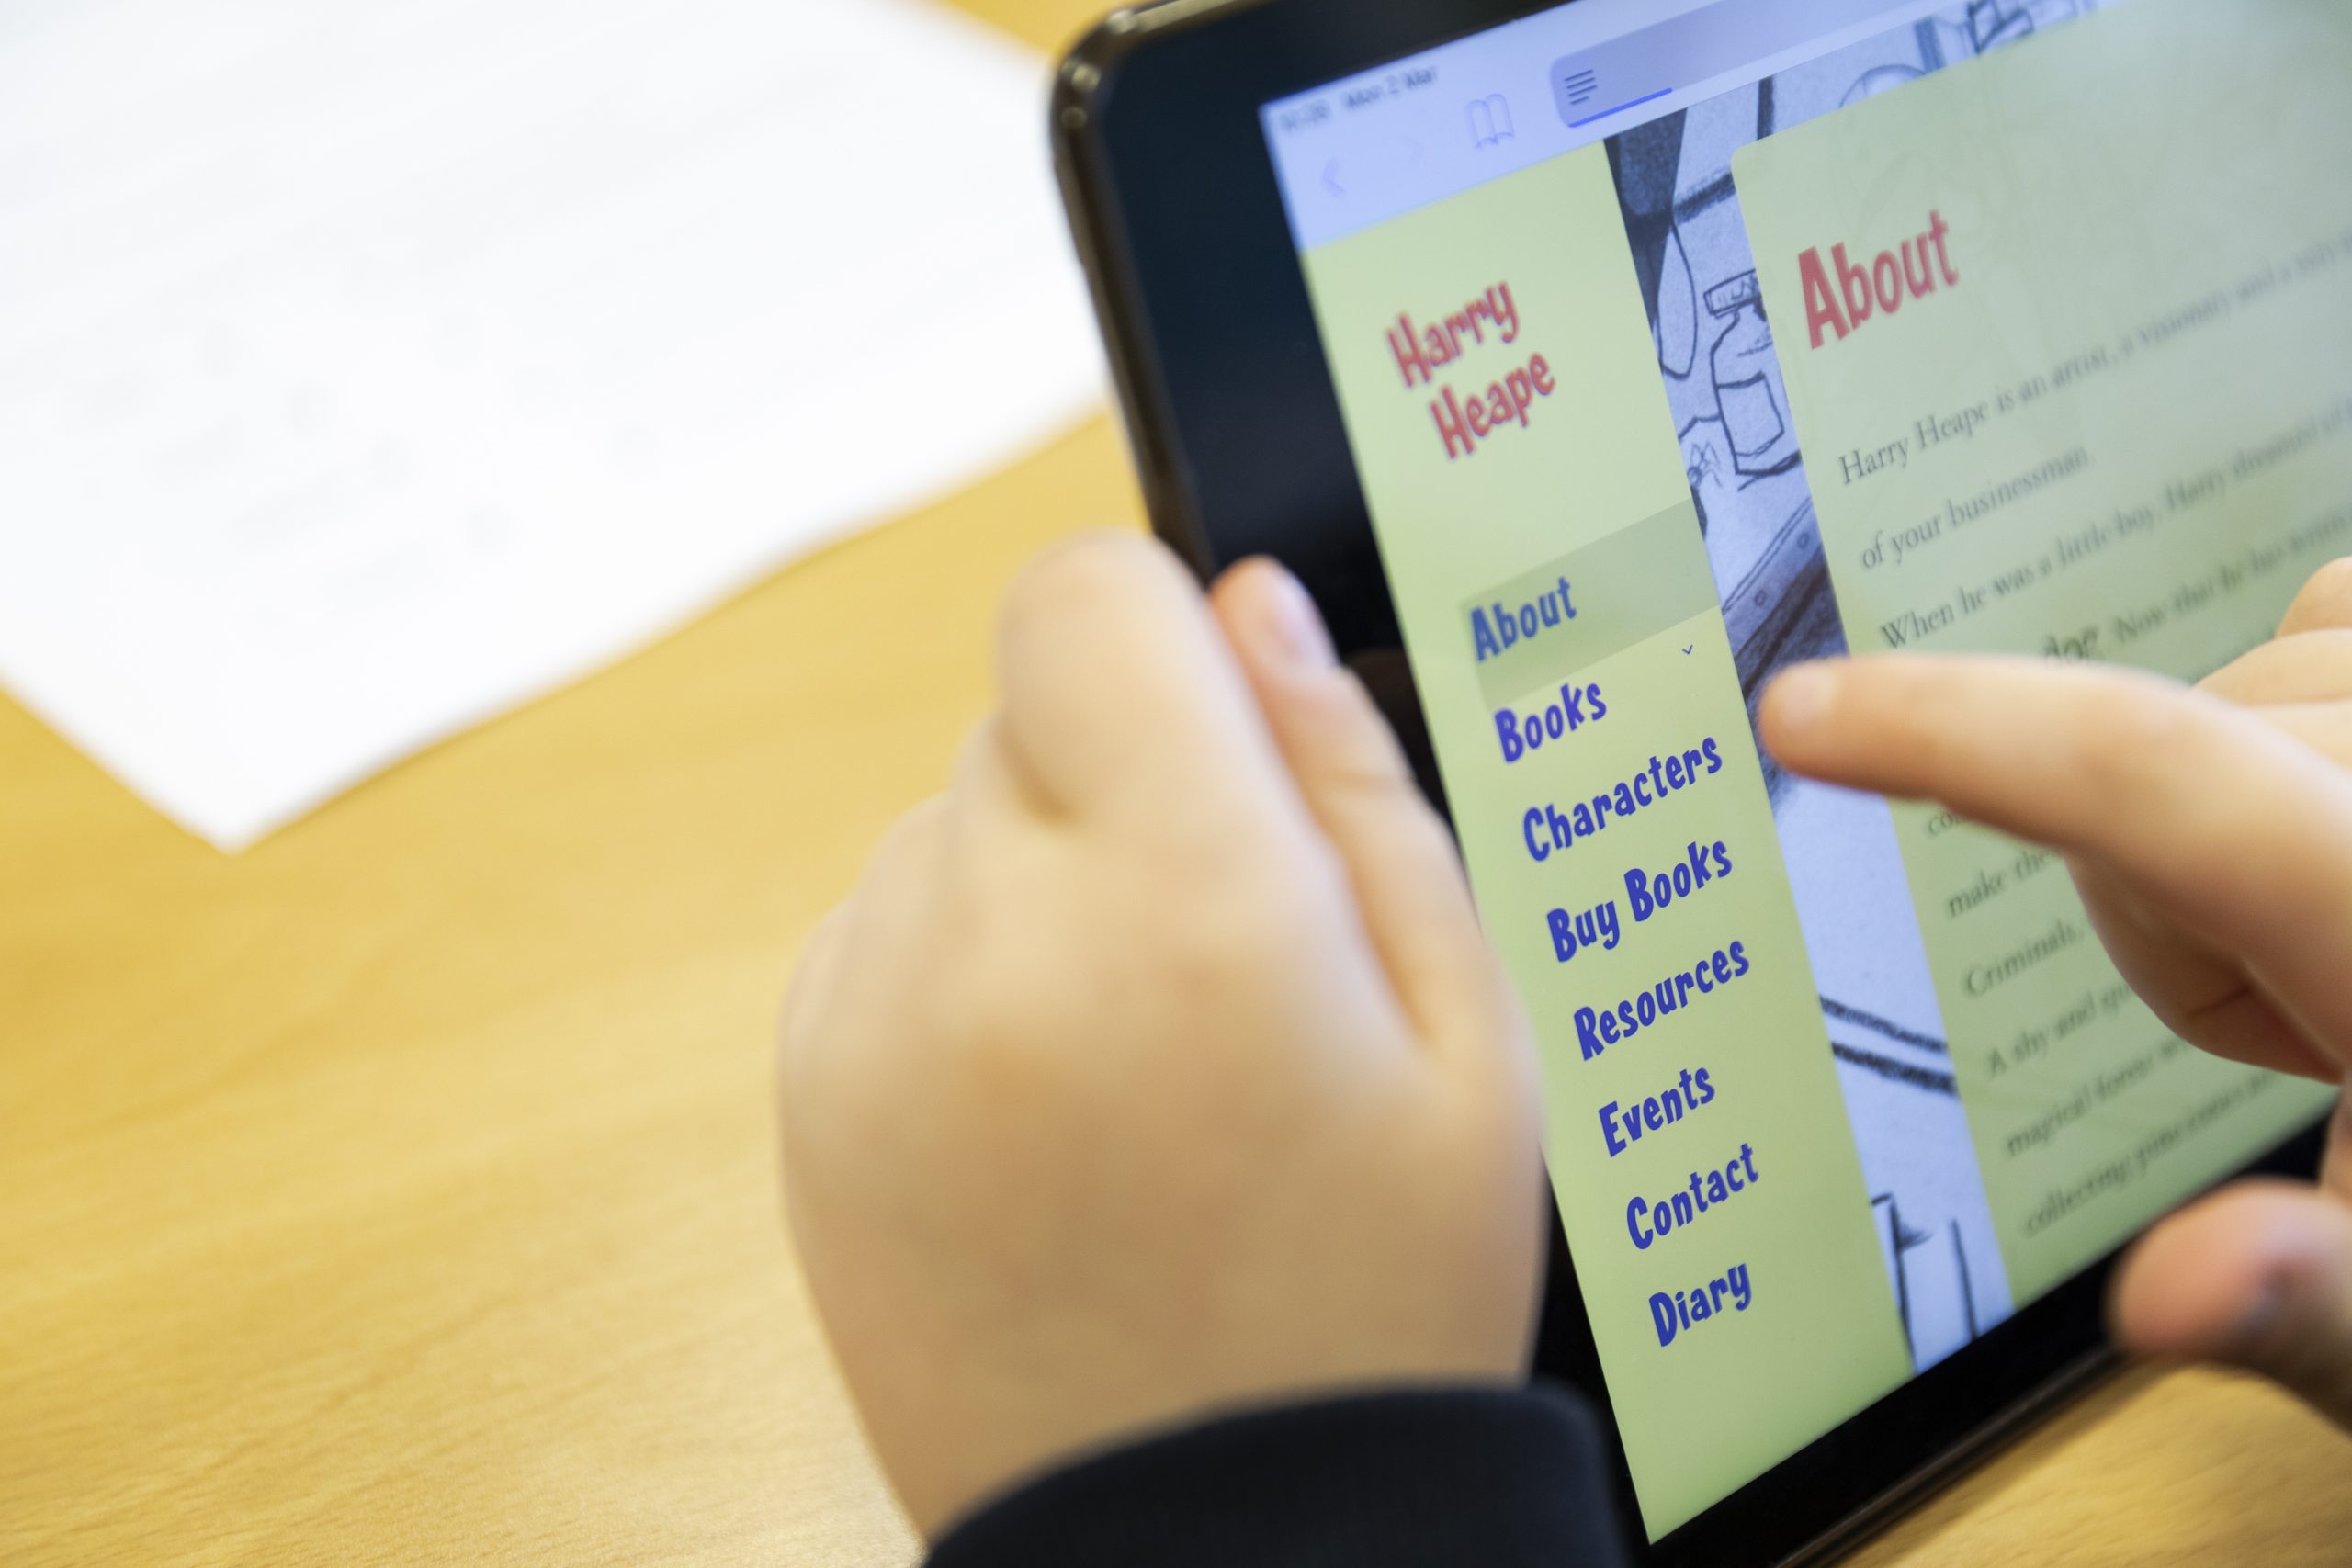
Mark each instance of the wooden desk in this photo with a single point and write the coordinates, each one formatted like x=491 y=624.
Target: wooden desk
x=403 y=1191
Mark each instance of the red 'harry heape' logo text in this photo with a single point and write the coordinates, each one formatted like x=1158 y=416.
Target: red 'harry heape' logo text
x=1904 y=273
x=1422 y=350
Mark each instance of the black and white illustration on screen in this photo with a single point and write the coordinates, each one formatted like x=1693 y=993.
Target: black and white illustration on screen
x=1740 y=448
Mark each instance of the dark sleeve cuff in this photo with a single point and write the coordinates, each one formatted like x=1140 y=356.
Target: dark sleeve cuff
x=1500 y=1479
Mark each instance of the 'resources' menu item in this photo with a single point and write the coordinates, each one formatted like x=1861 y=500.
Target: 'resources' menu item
x=1959 y=335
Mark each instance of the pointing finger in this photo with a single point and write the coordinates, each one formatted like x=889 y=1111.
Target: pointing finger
x=2239 y=833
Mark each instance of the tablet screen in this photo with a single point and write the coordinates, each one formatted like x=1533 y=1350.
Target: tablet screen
x=1676 y=342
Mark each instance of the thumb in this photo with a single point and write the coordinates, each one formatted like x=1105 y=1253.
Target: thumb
x=1353 y=775
x=2259 y=1277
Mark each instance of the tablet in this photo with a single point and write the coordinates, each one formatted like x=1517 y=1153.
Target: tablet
x=1588 y=364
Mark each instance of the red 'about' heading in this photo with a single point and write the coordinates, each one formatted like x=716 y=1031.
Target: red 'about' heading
x=1858 y=292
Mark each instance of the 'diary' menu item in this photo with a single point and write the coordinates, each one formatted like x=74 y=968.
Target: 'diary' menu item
x=2046 y=349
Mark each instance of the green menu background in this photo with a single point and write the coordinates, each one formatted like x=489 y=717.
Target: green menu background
x=1730 y=1397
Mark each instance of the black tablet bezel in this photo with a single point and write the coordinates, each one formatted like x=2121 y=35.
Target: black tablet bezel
x=1238 y=443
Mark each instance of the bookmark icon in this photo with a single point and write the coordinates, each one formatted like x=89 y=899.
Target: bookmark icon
x=1489 y=120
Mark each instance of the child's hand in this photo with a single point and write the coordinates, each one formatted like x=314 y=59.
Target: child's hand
x=2211 y=831
x=1162 y=1065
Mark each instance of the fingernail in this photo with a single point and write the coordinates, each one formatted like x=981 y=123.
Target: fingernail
x=1803 y=694
x=1292 y=623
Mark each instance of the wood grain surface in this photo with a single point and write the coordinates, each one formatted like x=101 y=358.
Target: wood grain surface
x=403 y=1191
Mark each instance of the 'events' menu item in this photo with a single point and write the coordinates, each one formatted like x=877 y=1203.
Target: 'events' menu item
x=1978 y=333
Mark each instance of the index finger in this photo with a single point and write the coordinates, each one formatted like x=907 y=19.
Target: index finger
x=2243 y=832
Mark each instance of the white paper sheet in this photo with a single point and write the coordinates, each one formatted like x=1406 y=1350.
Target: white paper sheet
x=365 y=369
